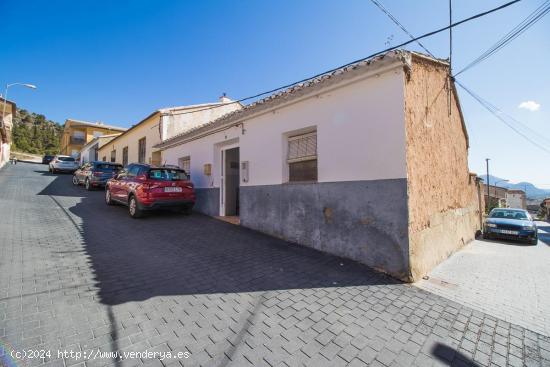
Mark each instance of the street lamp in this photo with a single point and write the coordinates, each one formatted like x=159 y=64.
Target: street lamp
x=31 y=86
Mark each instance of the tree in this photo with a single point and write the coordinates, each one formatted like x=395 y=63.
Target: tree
x=34 y=133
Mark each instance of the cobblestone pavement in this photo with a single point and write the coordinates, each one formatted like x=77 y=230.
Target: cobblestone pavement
x=77 y=275
x=509 y=280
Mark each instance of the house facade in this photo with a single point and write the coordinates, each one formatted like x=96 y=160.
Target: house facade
x=5 y=129
x=516 y=199
x=77 y=133
x=137 y=144
x=90 y=151
x=366 y=162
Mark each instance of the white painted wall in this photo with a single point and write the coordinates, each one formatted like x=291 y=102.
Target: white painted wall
x=182 y=120
x=4 y=153
x=149 y=130
x=515 y=200
x=360 y=136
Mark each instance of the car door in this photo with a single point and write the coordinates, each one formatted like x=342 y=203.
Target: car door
x=82 y=172
x=116 y=183
x=129 y=182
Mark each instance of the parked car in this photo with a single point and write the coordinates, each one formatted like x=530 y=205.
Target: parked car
x=515 y=224
x=47 y=159
x=143 y=187
x=95 y=174
x=63 y=163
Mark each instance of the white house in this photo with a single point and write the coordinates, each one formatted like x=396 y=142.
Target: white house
x=367 y=162
x=90 y=151
x=516 y=199
x=137 y=144
x=5 y=129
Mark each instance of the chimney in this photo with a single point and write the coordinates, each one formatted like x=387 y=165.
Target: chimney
x=225 y=99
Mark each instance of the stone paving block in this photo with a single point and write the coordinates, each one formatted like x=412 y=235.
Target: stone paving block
x=221 y=292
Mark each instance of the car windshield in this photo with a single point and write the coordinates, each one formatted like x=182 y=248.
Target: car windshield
x=509 y=214
x=105 y=167
x=66 y=159
x=167 y=174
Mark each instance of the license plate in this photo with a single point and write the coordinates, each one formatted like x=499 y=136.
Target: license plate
x=172 y=189
x=506 y=231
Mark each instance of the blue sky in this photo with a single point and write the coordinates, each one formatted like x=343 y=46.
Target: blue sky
x=118 y=61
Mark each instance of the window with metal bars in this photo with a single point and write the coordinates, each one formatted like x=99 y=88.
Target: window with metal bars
x=141 y=150
x=302 y=157
x=124 y=156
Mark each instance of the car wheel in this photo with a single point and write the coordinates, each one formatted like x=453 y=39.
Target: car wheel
x=88 y=185
x=75 y=180
x=108 y=199
x=133 y=209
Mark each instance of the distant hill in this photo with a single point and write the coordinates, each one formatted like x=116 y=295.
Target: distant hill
x=532 y=192
x=34 y=133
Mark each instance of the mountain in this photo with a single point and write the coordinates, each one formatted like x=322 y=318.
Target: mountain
x=532 y=192
x=33 y=133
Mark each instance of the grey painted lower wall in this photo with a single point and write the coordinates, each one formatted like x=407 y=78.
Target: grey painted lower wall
x=366 y=221
x=208 y=201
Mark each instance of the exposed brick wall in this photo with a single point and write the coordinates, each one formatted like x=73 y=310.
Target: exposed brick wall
x=443 y=197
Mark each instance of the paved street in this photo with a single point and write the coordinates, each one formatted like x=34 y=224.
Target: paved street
x=508 y=280
x=79 y=275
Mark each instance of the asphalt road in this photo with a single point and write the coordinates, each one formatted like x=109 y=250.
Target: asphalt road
x=79 y=276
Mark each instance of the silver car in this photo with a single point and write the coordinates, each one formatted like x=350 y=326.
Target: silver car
x=63 y=163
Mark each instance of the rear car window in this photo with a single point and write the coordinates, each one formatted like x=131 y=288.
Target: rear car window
x=167 y=174
x=104 y=167
x=66 y=159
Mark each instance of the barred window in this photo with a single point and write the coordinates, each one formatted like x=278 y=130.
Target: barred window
x=113 y=156
x=185 y=164
x=141 y=150
x=124 y=156
x=302 y=157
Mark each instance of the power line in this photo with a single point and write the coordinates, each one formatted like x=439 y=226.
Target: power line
x=495 y=112
x=479 y=15
x=394 y=19
x=542 y=139
x=528 y=22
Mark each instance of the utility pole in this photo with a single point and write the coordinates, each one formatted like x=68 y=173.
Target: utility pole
x=450 y=77
x=488 y=183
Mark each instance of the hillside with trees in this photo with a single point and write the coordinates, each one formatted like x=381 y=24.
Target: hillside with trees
x=33 y=133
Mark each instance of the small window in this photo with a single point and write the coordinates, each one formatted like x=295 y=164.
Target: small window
x=302 y=157
x=113 y=156
x=125 y=156
x=141 y=150
x=104 y=159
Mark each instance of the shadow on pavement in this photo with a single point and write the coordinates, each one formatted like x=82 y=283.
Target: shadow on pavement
x=451 y=357
x=172 y=254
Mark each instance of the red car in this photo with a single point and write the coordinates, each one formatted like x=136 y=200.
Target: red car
x=143 y=187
